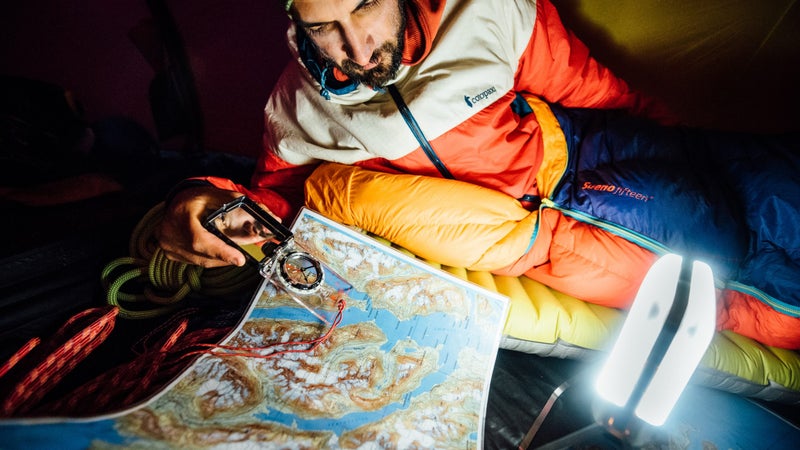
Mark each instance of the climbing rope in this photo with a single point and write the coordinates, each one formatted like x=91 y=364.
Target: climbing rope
x=157 y=285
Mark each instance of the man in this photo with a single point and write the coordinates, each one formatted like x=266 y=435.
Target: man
x=461 y=92
x=446 y=89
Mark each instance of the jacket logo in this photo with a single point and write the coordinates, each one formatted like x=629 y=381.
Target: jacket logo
x=616 y=190
x=480 y=97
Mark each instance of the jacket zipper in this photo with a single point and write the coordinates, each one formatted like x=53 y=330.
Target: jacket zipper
x=417 y=132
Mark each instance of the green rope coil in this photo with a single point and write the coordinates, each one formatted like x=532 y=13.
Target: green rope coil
x=157 y=285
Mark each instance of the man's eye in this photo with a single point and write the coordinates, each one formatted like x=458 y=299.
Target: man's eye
x=369 y=4
x=313 y=31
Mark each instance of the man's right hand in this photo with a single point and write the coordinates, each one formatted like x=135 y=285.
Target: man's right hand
x=181 y=233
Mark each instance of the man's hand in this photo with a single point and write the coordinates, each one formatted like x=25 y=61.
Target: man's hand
x=181 y=233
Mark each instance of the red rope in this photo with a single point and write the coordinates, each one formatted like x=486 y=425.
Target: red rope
x=135 y=381
x=161 y=356
x=19 y=355
x=52 y=361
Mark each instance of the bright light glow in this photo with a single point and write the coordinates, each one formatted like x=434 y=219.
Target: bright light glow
x=642 y=325
x=645 y=320
x=688 y=347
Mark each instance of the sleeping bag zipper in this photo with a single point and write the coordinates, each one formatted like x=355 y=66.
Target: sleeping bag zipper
x=660 y=249
x=638 y=239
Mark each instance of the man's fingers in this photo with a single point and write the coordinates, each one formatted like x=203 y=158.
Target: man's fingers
x=207 y=244
x=196 y=260
x=206 y=259
x=181 y=233
x=216 y=249
x=203 y=249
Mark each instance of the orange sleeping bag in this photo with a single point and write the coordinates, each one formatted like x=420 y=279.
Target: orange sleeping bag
x=463 y=225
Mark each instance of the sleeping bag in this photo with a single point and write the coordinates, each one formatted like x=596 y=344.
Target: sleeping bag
x=616 y=192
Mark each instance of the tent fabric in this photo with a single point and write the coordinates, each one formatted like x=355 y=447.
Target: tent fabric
x=719 y=64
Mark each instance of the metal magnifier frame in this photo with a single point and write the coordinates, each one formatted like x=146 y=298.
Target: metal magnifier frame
x=297 y=271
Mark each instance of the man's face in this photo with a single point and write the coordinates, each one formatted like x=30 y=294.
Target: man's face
x=363 y=38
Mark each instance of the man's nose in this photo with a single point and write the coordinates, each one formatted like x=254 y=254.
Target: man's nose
x=358 y=45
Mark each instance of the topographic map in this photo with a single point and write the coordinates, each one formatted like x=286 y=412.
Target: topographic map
x=408 y=366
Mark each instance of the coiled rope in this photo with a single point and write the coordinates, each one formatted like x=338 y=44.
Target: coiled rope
x=159 y=284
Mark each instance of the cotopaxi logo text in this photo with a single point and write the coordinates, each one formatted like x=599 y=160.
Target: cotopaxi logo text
x=616 y=190
x=482 y=96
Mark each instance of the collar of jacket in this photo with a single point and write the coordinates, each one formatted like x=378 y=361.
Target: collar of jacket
x=422 y=24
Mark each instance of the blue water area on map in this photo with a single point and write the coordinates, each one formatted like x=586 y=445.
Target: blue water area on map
x=61 y=436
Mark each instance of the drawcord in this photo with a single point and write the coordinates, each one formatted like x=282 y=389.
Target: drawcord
x=276 y=348
x=164 y=283
x=412 y=124
x=322 y=81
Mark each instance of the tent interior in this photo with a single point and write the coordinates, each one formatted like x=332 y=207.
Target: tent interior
x=106 y=105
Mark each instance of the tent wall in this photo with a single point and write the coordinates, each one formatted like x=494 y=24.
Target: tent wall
x=720 y=63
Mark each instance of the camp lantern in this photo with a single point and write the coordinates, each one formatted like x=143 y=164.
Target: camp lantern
x=662 y=340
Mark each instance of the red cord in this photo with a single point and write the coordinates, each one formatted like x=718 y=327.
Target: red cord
x=255 y=352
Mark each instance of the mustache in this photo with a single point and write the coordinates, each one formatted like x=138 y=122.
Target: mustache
x=348 y=65
x=387 y=57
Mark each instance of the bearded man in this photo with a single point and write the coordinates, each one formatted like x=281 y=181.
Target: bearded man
x=500 y=96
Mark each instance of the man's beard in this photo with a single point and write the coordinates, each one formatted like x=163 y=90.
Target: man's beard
x=390 y=55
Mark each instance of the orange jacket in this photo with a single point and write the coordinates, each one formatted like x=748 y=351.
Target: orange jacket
x=460 y=86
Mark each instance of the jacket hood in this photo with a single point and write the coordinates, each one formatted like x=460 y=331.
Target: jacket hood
x=422 y=23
